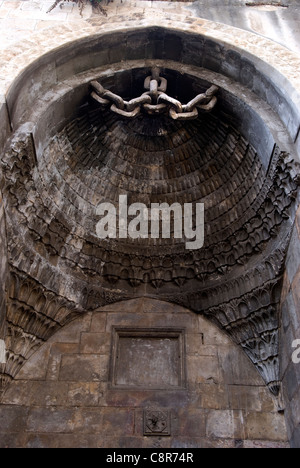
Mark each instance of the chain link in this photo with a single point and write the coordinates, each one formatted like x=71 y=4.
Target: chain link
x=155 y=100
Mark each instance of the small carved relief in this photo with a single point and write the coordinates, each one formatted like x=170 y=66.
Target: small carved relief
x=157 y=423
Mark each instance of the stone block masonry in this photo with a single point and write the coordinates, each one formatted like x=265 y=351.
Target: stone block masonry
x=291 y=331
x=63 y=396
x=72 y=401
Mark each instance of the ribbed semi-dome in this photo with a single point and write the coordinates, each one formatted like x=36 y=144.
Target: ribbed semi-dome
x=96 y=156
x=99 y=156
x=154 y=160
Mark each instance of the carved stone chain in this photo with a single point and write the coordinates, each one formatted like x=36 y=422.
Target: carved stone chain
x=155 y=100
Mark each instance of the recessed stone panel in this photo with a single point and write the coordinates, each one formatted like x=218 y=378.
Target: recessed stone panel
x=153 y=359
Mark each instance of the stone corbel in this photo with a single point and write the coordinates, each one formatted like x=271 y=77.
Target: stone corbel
x=33 y=315
x=252 y=321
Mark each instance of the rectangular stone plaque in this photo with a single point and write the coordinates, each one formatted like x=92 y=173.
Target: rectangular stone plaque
x=148 y=359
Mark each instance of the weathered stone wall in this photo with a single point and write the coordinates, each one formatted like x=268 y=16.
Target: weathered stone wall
x=291 y=331
x=3 y=269
x=63 y=396
x=277 y=23
x=278 y=89
x=268 y=19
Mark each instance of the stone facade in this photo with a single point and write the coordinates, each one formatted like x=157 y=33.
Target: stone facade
x=61 y=155
x=290 y=331
x=64 y=395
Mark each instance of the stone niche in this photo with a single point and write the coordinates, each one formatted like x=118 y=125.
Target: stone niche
x=85 y=387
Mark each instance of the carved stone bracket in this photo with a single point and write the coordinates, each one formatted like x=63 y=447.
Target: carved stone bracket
x=252 y=321
x=33 y=316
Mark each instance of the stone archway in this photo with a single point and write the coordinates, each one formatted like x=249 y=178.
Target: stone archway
x=59 y=270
